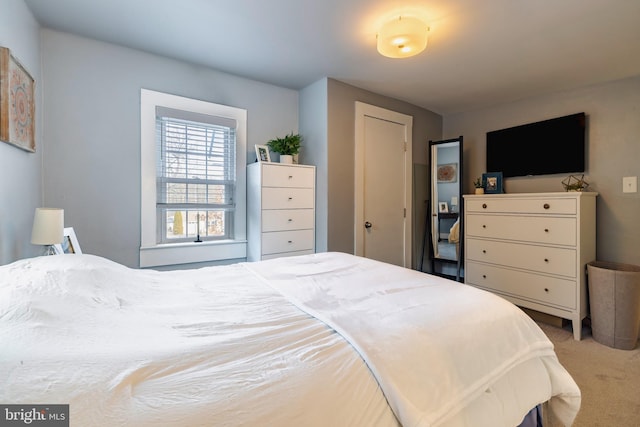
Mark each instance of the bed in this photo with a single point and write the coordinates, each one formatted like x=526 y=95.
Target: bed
x=328 y=339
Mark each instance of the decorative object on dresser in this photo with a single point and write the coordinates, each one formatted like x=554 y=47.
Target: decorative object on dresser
x=262 y=153
x=492 y=183
x=532 y=249
x=48 y=225
x=478 y=185
x=573 y=183
x=287 y=147
x=17 y=103
x=280 y=210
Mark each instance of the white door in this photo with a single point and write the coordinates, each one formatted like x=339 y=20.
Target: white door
x=383 y=185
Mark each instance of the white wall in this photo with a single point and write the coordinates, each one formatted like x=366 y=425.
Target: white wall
x=613 y=151
x=92 y=126
x=20 y=171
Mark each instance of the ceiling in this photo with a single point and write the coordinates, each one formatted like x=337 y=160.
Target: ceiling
x=480 y=52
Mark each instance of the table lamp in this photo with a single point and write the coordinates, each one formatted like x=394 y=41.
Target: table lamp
x=48 y=228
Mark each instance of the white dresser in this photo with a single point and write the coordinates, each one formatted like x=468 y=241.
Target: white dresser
x=280 y=210
x=532 y=249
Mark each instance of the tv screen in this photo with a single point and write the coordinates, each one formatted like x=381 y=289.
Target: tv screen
x=541 y=148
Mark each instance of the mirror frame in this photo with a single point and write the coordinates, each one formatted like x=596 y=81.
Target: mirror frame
x=432 y=210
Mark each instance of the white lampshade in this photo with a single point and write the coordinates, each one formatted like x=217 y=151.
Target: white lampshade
x=48 y=226
x=402 y=37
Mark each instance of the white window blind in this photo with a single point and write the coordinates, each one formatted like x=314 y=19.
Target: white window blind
x=196 y=175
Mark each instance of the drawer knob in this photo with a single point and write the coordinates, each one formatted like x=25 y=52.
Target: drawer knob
x=484 y=251
x=546 y=230
x=546 y=206
x=546 y=289
x=484 y=226
x=290 y=198
x=290 y=220
x=290 y=176
x=484 y=206
x=484 y=276
x=546 y=260
x=290 y=241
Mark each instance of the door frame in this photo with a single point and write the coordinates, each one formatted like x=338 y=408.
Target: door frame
x=366 y=110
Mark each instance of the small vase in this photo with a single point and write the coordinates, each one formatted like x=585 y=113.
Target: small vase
x=286 y=158
x=479 y=190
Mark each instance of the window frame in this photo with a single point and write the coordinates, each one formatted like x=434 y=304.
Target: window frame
x=153 y=253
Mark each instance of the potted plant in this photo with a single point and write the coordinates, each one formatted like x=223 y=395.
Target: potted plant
x=287 y=147
x=479 y=187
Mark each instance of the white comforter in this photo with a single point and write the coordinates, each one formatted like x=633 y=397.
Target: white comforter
x=220 y=346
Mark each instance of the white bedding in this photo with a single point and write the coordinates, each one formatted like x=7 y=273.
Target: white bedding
x=222 y=346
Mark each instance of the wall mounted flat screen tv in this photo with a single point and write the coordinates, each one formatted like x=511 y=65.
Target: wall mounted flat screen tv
x=541 y=148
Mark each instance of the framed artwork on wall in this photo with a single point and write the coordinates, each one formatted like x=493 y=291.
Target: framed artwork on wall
x=262 y=152
x=69 y=243
x=448 y=172
x=17 y=105
x=492 y=183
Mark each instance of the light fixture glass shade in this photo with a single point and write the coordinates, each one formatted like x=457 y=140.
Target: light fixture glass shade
x=402 y=37
x=48 y=226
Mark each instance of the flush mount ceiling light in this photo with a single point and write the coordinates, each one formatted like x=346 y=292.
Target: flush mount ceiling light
x=402 y=37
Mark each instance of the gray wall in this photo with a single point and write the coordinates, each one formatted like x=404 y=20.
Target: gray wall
x=339 y=148
x=313 y=126
x=20 y=171
x=92 y=128
x=613 y=151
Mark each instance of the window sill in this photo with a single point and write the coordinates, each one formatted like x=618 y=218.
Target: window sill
x=191 y=252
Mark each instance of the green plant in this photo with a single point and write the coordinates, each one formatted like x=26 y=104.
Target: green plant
x=289 y=145
x=477 y=183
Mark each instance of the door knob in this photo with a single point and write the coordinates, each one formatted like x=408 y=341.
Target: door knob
x=367 y=224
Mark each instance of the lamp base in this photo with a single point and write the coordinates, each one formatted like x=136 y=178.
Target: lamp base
x=49 y=250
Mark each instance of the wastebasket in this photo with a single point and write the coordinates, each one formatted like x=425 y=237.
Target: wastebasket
x=614 y=298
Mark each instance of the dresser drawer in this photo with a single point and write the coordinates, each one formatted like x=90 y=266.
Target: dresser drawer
x=287 y=219
x=288 y=176
x=529 y=257
x=531 y=206
x=287 y=241
x=520 y=284
x=287 y=198
x=540 y=229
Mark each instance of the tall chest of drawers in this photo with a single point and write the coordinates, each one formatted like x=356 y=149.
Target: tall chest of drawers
x=532 y=249
x=280 y=210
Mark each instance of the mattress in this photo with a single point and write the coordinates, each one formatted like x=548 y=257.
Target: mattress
x=316 y=340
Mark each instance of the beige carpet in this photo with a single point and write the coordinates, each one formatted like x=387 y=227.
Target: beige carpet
x=609 y=379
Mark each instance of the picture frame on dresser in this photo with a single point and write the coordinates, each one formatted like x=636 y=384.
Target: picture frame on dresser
x=492 y=183
x=262 y=153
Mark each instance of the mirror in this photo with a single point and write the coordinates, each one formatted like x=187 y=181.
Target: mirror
x=445 y=210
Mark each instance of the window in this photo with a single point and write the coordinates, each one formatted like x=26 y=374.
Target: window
x=193 y=186
x=196 y=176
